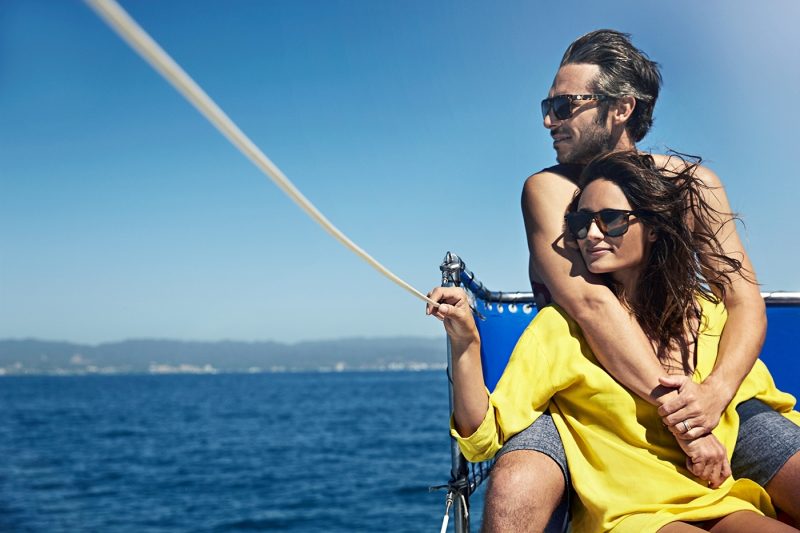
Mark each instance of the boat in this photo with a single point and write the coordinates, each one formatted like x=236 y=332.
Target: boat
x=501 y=318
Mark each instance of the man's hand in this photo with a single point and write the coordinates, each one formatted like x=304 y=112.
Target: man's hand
x=692 y=409
x=707 y=459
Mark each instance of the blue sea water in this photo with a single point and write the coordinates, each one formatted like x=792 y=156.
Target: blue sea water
x=330 y=452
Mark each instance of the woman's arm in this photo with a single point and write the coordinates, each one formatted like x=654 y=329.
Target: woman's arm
x=470 y=400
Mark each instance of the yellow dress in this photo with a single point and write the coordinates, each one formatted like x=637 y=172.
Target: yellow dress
x=627 y=469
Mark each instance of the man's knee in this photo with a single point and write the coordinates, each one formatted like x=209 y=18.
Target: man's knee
x=527 y=478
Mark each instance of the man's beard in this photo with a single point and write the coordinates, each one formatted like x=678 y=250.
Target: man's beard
x=594 y=141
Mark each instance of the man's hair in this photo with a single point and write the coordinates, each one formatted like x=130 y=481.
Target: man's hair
x=624 y=71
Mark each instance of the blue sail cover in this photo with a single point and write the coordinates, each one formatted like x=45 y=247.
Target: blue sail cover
x=781 y=353
x=500 y=325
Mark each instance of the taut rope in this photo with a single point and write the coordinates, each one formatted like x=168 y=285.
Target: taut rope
x=139 y=40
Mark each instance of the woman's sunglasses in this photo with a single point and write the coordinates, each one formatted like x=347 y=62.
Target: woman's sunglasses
x=611 y=222
x=562 y=104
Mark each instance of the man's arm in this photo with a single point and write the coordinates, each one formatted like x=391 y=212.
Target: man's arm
x=613 y=333
x=742 y=337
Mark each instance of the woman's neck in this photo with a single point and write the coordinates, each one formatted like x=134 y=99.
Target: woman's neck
x=628 y=282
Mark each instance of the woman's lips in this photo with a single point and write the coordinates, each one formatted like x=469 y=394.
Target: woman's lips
x=597 y=252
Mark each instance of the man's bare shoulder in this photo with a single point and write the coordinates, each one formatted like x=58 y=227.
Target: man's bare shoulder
x=552 y=180
x=547 y=193
x=559 y=172
x=676 y=163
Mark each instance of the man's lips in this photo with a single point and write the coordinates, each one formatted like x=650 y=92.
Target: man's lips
x=559 y=137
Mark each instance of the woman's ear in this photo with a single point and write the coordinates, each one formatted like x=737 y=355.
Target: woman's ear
x=652 y=235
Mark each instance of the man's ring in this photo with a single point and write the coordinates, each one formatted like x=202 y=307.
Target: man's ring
x=686 y=426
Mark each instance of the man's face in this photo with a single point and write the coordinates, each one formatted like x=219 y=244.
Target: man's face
x=582 y=136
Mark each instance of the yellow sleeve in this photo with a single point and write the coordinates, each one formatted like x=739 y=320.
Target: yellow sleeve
x=525 y=388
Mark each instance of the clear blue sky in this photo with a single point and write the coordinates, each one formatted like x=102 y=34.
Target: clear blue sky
x=412 y=125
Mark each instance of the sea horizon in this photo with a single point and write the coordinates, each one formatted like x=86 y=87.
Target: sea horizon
x=169 y=356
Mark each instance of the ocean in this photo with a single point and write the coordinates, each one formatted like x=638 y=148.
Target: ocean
x=333 y=452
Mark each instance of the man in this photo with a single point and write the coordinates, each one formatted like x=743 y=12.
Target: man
x=602 y=99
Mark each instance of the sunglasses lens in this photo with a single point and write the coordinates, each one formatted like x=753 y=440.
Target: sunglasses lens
x=578 y=224
x=611 y=222
x=562 y=107
x=614 y=222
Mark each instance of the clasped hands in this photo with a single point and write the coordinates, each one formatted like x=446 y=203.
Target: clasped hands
x=691 y=411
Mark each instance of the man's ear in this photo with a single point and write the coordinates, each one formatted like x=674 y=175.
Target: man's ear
x=652 y=235
x=621 y=110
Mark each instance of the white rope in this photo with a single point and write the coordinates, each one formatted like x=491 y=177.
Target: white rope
x=139 y=40
x=446 y=519
x=445 y=522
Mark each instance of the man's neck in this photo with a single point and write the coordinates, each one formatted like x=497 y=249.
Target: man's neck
x=624 y=143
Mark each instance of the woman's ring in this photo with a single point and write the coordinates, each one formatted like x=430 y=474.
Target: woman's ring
x=686 y=426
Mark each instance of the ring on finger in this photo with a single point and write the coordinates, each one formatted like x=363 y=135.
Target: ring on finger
x=686 y=426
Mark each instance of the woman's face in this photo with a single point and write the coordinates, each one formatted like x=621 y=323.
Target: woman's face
x=623 y=256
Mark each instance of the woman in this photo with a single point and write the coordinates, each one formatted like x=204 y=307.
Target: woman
x=630 y=223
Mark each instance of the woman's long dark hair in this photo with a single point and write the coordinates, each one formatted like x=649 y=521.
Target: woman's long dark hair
x=686 y=258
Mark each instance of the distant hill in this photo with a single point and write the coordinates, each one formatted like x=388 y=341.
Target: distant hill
x=31 y=356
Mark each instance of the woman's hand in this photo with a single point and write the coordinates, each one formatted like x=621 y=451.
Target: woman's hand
x=707 y=459
x=692 y=409
x=455 y=313
x=470 y=400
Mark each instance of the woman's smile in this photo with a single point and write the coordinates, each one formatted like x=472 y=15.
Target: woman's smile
x=597 y=252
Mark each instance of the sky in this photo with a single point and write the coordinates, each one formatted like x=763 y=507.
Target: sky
x=411 y=124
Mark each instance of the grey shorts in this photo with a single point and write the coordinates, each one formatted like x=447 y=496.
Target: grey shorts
x=766 y=441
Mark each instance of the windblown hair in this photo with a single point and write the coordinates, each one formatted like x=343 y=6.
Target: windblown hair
x=686 y=259
x=624 y=71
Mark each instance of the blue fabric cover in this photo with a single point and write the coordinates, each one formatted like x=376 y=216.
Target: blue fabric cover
x=500 y=328
x=780 y=352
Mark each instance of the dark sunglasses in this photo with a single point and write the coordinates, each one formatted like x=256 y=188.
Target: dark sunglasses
x=611 y=222
x=562 y=104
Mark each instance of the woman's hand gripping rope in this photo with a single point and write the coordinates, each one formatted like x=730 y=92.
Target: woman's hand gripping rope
x=455 y=313
x=470 y=399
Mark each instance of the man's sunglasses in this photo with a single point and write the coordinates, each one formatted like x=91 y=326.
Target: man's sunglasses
x=611 y=222
x=561 y=105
